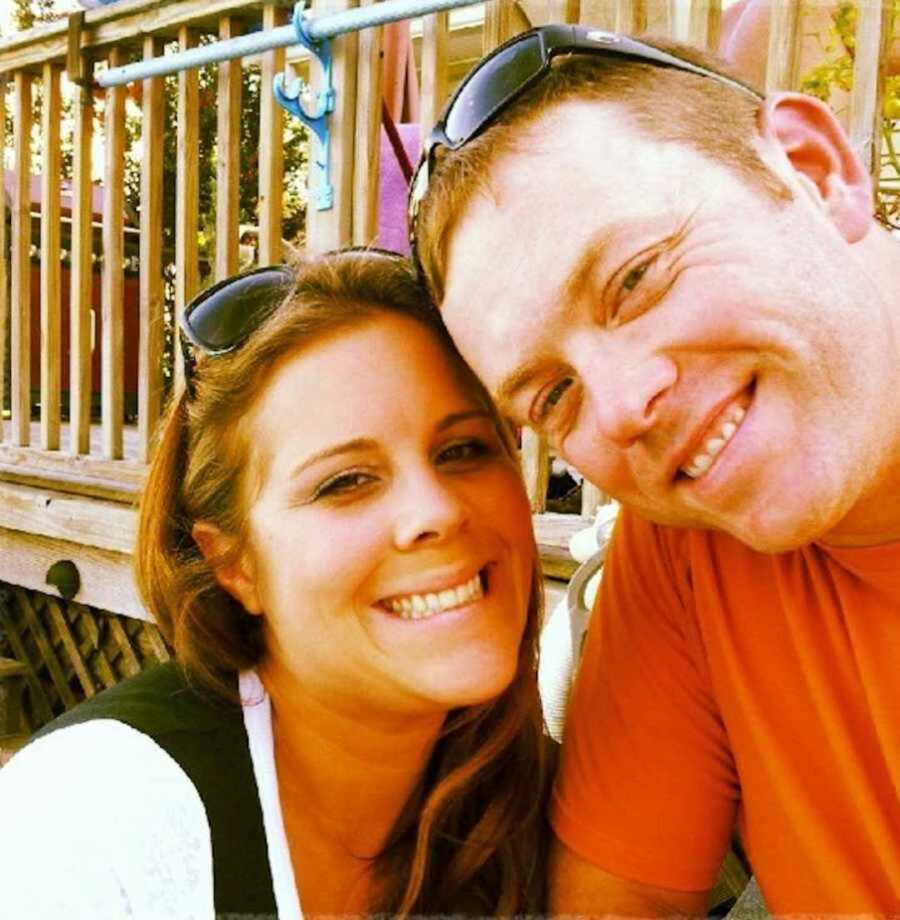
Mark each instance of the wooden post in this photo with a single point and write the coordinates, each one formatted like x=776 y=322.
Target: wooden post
x=113 y=287
x=705 y=23
x=784 y=44
x=81 y=279
x=4 y=262
x=564 y=11
x=631 y=16
x=330 y=229
x=535 y=469
x=271 y=148
x=435 y=67
x=661 y=17
x=599 y=13
x=20 y=364
x=591 y=498
x=51 y=354
x=187 y=191
x=228 y=161
x=875 y=17
x=498 y=23
x=151 y=322
x=368 y=136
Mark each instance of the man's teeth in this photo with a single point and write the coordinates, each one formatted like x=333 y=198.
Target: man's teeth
x=703 y=459
x=422 y=606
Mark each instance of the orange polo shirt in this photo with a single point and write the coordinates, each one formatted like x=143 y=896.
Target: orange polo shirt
x=721 y=685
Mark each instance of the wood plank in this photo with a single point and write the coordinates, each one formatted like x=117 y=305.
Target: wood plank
x=88 y=620
x=79 y=666
x=151 y=322
x=117 y=631
x=864 y=117
x=81 y=278
x=564 y=11
x=118 y=480
x=599 y=13
x=4 y=262
x=113 y=277
x=271 y=148
x=435 y=70
x=20 y=362
x=77 y=519
x=661 y=17
x=118 y=24
x=107 y=578
x=7 y=621
x=228 y=157
x=784 y=44
x=705 y=23
x=187 y=191
x=631 y=16
x=368 y=136
x=535 y=460
x=334 y=228
x=498 y=23
x=51 y=345
x=48 y=653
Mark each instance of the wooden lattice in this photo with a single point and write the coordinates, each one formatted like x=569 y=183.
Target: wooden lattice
x=71 y=651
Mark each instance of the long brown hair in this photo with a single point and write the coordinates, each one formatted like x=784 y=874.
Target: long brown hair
x=471 y=838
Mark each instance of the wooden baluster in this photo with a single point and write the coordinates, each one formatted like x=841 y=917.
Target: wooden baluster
x=535 y=469
x=51 y=356
x=705 y=23
x=20 y=364
x=228 y=162
x=435 y=67
x=874 y=31
x=591 y=498
x=151 y=322
x=368 y=136
x=187 y=192
x=81 y=279
x=4 y=260
x=329 y=229
x=784 y=44
x=564 y=10
x=271 y=148
x=599 y=13
x=661 y=17
x=631 y=16
x=498 y=23
x=112 y=282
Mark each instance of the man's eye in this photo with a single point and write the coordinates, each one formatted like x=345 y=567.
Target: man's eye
x=552 y=398
x=343 y=484
x=634 y=277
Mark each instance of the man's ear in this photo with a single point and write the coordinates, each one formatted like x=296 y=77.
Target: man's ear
x=812 y=139
x=233 y=570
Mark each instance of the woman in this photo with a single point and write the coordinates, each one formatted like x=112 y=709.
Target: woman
x=334 y=513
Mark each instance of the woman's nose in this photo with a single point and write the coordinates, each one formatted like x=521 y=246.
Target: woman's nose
x=430 y=511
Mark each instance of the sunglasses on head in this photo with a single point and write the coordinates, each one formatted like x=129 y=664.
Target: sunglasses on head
x=505 y=74
x=221 y=318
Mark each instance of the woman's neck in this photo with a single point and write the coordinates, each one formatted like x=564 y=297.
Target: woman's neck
x=344 y=774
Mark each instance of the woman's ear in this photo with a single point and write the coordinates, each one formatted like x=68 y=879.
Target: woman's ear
x=235 y=574
x=810 y=136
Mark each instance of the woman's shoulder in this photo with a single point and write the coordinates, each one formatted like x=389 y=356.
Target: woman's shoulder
x=100 y=821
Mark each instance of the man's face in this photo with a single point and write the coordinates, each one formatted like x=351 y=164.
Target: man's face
x=708 y=356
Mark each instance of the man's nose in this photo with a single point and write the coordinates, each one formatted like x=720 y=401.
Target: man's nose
x=429 y=511
x=626 y=394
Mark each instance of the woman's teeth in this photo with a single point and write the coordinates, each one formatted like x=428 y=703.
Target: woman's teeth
x=703 y=459
x=421 y=606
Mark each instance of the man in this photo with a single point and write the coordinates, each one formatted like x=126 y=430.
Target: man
x=681 y=285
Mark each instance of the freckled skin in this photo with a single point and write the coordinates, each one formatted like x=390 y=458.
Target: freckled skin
x=764 y=299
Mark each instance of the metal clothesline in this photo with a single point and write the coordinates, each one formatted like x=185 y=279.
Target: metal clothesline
x=315 y=30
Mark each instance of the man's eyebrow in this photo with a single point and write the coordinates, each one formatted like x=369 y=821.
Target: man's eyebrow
x=592 y=253
x=514 y=383
x=347 y=447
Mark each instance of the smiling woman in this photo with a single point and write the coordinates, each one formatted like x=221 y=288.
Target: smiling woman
x=335 y=537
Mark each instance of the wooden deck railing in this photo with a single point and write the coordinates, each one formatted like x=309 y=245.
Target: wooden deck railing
x=41 y=457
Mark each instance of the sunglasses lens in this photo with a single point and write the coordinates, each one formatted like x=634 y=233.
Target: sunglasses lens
x=492 y=86
x=228 y=314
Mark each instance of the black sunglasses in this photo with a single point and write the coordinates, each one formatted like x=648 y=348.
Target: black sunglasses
x=221 y=318
x=501 y=77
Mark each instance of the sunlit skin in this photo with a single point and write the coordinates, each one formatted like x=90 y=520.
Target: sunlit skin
x=633 y=289
x=376 y=473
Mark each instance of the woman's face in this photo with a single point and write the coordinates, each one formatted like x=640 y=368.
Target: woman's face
x=390 y=548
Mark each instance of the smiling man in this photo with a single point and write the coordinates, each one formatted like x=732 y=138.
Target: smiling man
x=681 y=285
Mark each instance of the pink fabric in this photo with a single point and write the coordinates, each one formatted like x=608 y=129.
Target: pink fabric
x=392 y=191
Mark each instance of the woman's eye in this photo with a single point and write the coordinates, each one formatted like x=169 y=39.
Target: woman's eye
x=462 y=451
x=343 y=484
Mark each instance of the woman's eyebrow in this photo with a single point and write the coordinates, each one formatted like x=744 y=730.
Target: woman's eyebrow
x=357 y=444
x=455 y=417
